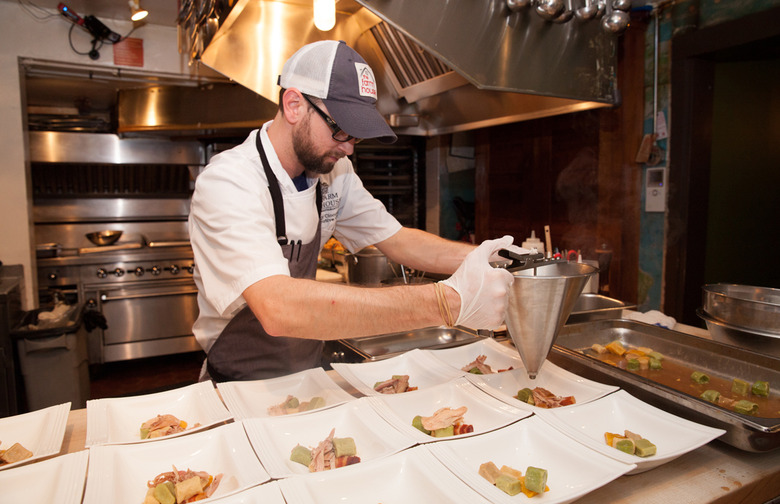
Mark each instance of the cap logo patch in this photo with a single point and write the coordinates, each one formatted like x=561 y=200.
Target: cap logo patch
x=366 y=81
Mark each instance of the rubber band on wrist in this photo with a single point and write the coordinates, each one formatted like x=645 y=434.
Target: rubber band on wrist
x=444 y=305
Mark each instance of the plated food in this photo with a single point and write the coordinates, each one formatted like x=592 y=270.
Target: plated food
x=554 y=387
x=397 y=384
x=58 y=479
x=423 y=370
x=451 y=400
x=330 y=453
x=631 y=443
x=15 y=453
x=573 y=470
x=118 y=420
x=512 y=481
x=444 y=422
x=34 y=435
x=672 y=435
x=181 y=487
x=413 y=475
x=163 y=425
x=485 y=356
x=120 y=474
x=354 y=426
x=292 y=405
x=264 y=398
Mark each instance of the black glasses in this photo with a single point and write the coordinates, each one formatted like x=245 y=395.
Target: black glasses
x=339 y=134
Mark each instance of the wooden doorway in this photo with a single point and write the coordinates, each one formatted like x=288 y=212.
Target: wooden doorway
x=711 y=127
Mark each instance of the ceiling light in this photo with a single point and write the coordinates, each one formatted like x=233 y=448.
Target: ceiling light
x=136 y=12
x=324 y=14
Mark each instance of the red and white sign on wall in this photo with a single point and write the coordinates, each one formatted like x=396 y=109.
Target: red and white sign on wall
x=129 y=52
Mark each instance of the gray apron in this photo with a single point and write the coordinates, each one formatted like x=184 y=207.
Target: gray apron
x=244 y=350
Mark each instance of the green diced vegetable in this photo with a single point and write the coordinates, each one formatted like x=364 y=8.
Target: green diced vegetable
x=655 y=363
x=626 y=446
x=444 y=432
x=525 y=395
x=655 y=355
x=632 y=364
x=316 y=403
x=144 y=433
x=475 y=370
x=535 y=479
x=699 y=377
x=644 y=448
x=740 y=387
x=292 y=402
x=417 y=424
x=508 y=484
x=746 y=407
x=761 y=388
x=301 y=454
x=344 y=446
x=710 y=395
x=165 y=492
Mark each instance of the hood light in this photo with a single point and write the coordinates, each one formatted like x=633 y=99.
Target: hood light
x=324 y=14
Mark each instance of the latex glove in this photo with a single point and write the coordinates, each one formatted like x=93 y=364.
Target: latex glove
x=483 y=289
x=495 y=258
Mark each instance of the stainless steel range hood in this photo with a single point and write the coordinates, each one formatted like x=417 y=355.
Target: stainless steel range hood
x=441 y=66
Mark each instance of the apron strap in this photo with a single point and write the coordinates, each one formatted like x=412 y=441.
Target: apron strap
x=276 y=194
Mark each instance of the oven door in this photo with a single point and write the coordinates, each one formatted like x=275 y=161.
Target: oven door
x=144 y=319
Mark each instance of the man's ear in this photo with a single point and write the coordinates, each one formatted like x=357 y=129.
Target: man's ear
x=294 y=105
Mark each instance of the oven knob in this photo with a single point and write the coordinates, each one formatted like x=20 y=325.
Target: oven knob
x=101 y=273
x=139 y=271
x=173 y=268
x=119 y=272
x=156 y=270
x=52 y=276
x=190 y=269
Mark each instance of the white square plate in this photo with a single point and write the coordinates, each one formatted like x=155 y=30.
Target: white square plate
x=267 y=493
x=119 y=473
x=672 y=435
x=413 y=476
x=498 y=356
x=39 y=431
x=274 y=437
x=485 y=412
x=504 y=386
x=424 y=371
x=59 y=479
x=118 y=420
x=251 y=399
x=573 y=469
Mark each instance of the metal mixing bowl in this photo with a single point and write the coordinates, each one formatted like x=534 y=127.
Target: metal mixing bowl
x=757 y=341
x=101 y=238
x=755 y=309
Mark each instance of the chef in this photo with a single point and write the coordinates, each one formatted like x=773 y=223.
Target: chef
x=262 y=211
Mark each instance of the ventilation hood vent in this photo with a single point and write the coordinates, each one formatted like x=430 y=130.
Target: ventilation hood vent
x=441 y=66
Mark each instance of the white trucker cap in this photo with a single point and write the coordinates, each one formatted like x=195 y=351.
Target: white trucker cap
x=340 y=77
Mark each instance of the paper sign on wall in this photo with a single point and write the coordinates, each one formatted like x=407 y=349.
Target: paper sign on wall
x=661 y=131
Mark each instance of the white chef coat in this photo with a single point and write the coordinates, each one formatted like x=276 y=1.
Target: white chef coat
x=233 y=231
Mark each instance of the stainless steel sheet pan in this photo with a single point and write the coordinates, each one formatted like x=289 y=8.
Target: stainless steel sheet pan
x=388 y=345
x=745 y=432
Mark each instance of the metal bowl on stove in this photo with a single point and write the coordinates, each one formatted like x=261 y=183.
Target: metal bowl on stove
x=106 y=237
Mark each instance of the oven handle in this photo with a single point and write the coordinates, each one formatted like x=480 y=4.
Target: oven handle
x=106 y=298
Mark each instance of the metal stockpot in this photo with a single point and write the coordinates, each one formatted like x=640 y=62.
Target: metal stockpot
x=368 y=266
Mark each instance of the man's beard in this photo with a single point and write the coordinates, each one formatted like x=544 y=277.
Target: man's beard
x=305 y=151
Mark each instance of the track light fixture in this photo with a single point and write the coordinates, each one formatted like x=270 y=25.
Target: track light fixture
x=136 y=12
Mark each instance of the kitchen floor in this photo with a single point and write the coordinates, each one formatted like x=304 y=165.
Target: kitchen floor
x=145 y=376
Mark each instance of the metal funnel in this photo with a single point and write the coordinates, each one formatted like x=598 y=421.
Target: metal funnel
x=540 y=301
